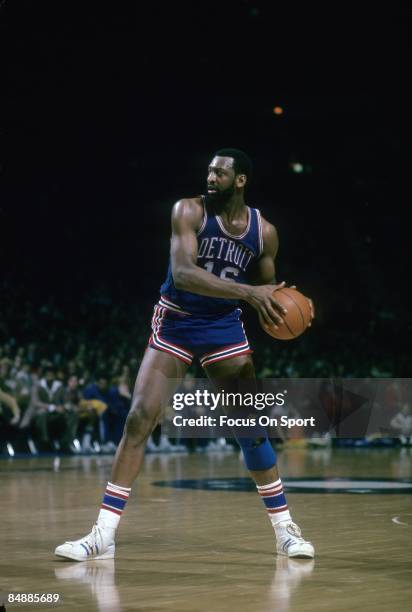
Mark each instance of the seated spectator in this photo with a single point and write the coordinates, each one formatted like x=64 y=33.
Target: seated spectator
x=99 y=390
x=52 y=421
x=7 y=382
x=87 y=412
x=117 y=399
x=9 y=418
x=402 y=424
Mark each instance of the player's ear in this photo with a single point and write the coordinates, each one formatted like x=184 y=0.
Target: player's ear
x=241 y=180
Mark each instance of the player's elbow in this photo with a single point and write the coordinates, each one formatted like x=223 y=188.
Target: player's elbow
x=181 y=277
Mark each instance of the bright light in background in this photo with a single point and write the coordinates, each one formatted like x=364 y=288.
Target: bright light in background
x=278 y=110
x=297 y=167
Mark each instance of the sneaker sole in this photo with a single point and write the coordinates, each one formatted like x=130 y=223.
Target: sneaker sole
x=308 y=554
x=302 y=556
x=107 y=555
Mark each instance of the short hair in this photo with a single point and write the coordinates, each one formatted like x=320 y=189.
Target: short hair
x=242 y=164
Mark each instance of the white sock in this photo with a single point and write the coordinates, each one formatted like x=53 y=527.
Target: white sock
x=114 y=501
x=274 y=499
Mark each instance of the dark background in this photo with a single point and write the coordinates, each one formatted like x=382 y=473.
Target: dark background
x=113 y=111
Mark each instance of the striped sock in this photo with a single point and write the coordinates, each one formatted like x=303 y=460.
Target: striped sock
x=275 y=501
x=113 y=504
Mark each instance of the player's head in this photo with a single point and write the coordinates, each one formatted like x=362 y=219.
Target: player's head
x=228 y=173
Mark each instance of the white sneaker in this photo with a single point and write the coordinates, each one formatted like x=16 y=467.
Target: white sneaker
x=290 y=541
x=99 y=544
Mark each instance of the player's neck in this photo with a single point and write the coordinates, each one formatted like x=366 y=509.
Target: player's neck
x=234 y=208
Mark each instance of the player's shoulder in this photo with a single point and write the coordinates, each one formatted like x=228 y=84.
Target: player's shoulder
x=189 y=209
x=269 y=231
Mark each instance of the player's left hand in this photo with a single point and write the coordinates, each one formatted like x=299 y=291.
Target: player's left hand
x=311 y=305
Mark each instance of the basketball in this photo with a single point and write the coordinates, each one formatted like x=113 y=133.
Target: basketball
x=296 y=319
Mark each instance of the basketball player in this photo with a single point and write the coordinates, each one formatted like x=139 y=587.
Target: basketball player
x=216 y=240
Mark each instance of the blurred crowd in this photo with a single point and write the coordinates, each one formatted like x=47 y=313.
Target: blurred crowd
x=67 y=370
x=58 y=409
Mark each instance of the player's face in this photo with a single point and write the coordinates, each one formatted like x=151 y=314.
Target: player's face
x=221 y=180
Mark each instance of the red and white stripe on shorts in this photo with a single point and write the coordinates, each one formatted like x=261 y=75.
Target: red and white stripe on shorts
x=157 y=341
x=226 y=352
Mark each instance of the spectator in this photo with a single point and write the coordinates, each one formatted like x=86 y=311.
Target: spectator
x=87 y=426
x=100 y=391
x=9 y=418
x=52 y=421
x=402 y=424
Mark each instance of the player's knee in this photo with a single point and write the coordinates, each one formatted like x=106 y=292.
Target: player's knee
x=140 y=420
x=258 y=453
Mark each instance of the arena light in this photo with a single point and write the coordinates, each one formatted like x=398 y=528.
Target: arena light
x=297 y=167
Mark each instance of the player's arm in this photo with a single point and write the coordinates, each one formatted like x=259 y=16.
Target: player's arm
x=263 y=271
x=188 y=276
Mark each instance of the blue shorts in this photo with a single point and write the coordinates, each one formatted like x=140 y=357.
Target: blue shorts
x=210 y=338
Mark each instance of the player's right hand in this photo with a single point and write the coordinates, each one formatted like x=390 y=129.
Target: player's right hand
x=262 y=298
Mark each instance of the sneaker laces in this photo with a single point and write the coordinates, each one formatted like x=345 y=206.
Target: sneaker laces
x=90 y=540
x=95 y=532
x=294 y=530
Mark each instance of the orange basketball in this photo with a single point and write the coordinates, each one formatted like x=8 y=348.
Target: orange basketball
x=296 y=319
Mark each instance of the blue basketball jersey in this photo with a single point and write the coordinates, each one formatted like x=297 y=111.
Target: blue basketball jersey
x=220 y=253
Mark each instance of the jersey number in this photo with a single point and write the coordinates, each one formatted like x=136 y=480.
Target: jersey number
x=224 y=273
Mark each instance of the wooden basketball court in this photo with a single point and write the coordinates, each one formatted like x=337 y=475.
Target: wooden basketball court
x=198 y=540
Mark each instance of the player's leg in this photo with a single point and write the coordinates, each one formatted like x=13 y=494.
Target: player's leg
x=158 y=376
x=260 y=459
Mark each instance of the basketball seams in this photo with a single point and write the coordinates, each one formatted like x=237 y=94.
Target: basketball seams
x=291 y=331
x=297 y=305
x=291 y=320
